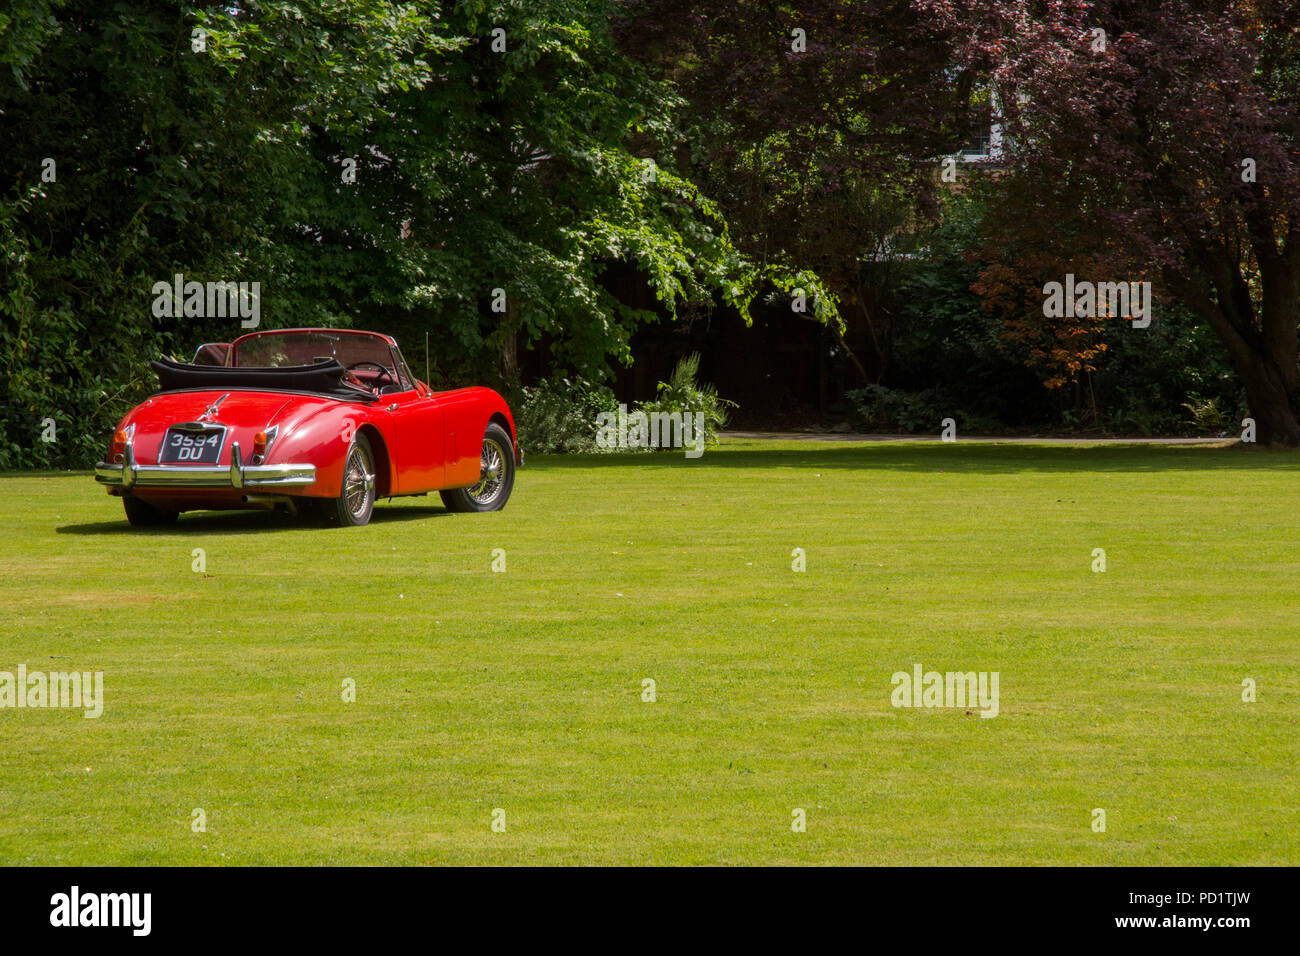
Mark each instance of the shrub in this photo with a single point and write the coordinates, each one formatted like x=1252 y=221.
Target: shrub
x=879 y=408
x=1207 y=417
x=684 y=393
x=559 y=415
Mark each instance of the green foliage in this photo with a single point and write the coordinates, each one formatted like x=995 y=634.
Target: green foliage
x=56 y=364
x=559 y=415
x=943 y=338
x=1150 y=379
x=524 y=169
x=476 y=170
x=1207 y=417
x=881 y=409
x=683 y=392
x=950 y=357
x=137 y=158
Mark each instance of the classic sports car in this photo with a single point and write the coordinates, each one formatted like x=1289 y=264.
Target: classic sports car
x=323 y=419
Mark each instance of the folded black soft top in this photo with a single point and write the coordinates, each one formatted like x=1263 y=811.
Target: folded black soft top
x=323 y=378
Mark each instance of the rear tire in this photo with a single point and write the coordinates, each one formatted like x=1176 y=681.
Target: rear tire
x=141 y=514
x=356 y=500
x=496 y=476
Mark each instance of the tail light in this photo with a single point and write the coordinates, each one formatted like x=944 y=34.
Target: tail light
x=117 y=451
x=261 y=442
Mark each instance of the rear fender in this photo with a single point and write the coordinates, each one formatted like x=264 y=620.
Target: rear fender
x=321 y=434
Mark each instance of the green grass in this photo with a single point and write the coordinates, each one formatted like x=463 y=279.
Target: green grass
x=522 y=690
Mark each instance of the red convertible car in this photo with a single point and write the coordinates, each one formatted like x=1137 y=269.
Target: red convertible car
x=323 y=419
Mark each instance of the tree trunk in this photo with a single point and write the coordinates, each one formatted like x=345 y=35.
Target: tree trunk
x=1264 y=354
x=1277 y=419
x=855 y=296
x=510 y=344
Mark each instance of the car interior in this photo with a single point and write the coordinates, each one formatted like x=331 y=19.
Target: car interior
x=379 y=378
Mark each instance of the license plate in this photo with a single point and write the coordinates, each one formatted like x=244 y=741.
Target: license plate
x=188 y=447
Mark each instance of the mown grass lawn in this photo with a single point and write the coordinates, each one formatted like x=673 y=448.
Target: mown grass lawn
x=522 y=690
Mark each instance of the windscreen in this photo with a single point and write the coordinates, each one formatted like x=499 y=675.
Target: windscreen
x=278 y=349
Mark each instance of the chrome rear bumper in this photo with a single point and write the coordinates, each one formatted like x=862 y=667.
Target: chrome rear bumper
x=129 y=475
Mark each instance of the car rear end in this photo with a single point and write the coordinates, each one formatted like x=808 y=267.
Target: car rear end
x=214 y=449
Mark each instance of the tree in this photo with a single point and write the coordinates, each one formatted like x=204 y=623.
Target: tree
x=137 y=158
x=492 y=193
x=1171 y=127
x=817 y=127
x=367 y=163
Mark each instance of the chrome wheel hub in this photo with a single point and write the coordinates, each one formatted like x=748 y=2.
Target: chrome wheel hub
x=491 y=473
x=358 y=483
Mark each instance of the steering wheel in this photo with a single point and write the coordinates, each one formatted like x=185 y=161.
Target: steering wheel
x=382 y=370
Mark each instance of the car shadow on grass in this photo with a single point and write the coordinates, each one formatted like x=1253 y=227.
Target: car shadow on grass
x=251 y=522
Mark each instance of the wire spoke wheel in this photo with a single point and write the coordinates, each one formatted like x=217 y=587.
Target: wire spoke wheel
x=496 y=475
x=491 y=473
x=360 y=483
x=357 y=501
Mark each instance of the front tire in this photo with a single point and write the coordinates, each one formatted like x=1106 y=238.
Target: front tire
x=496 y=476
x=356 y=501
x=141 y=514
